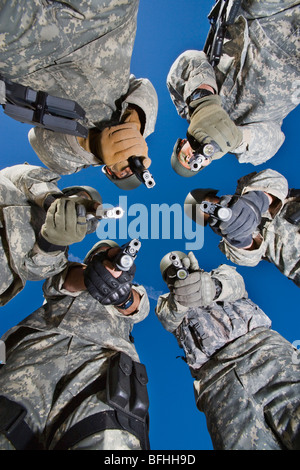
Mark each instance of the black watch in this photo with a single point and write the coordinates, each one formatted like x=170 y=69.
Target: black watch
x=198 y=94
x=127 y=302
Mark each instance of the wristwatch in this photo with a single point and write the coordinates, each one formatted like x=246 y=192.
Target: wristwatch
x=196 y=95
x=127 y=302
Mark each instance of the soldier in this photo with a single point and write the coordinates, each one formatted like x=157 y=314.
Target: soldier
x=240 y=103
x=246 y=376
x=81 y=50
x=264 y=222
x=73 y=366
x=38 y=223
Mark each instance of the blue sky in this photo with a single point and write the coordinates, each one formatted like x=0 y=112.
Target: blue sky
x=165 y=29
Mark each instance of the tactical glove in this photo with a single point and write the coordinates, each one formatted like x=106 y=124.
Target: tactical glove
x=118 y=143
x=246 y=216
x=103 y=286
x=210 y=122
x=197 y=290
x=65 y=222
x=131 y=115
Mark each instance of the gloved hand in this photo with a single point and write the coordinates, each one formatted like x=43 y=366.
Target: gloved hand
x=65 y=221
x=118 y=143
x=197 y=290
x=210 y=122
x=103 y=286
x=131 y=115
x=246 y=216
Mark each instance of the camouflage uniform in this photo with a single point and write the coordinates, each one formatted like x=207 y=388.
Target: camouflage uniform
x=79 y=50
x=277 y=240
x=258 y=77
x=23 y=188
x=246 y=379
x=56 y=352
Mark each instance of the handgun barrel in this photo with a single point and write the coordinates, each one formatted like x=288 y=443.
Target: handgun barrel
x=113 y=213
x=181 y=271
x=216 y=210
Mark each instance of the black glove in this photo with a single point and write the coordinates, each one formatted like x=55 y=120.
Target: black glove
x=246 y=216
x=104 y=287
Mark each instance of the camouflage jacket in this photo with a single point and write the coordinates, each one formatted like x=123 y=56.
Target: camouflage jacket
x=277 y=239
x=76 y=50
x=257 y=77
x=64 y=346
x=202 y=331
x=23 y=188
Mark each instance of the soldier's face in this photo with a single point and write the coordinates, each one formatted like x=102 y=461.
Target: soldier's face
x=119 y=170
x=185 y=153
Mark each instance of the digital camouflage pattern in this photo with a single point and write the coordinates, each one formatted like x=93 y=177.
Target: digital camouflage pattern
x=64 y=155
x=247 y=377
x=79 y=50
x=22 y=189
x=258 y=77
x=201 y=331
x=255 y=382
x=278 y=240
x=64 y=346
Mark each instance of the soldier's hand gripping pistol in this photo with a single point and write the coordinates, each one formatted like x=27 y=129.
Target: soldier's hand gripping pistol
x=189 y=285
x=85 y=208
x=238 y=222
x=111 y=289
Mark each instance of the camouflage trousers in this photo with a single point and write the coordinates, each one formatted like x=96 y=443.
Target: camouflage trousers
x=250 y=391
x=36 y=33
x=44 y=371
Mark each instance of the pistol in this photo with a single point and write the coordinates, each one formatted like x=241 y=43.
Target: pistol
x=113 y=213
x=181 y=271
x=126 y=257
x=201 y=152
x=216 y=210
x=204 y=152
x=196 y=161
x=141 y=172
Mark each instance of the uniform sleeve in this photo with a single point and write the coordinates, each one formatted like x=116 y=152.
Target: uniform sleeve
x=232 y=284
x=142 y=93
x=61 y=153
x=40 y=265
x=190 y=70
x=144 y=306
x=33 y=181
x=261 y=141
x=269 y=181
x=53 y=287
x=169 y=312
